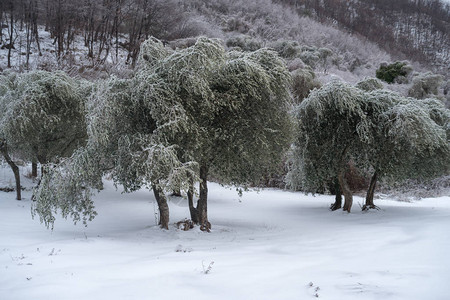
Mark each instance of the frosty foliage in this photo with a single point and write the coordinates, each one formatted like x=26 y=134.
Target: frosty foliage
x=67 y=188
x=380 y=131
x=303 y=82
x=287 y=49
x=330 y=124
x=44 y=118
x=410 y=139
x=311 y=56
x=122 y=144
x=218 y=99
x=425 y=85
x=251 y=127
x=183 y=108
x=8 y=86
x=369 y=84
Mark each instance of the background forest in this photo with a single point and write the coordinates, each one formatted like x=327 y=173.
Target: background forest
x=358 y=32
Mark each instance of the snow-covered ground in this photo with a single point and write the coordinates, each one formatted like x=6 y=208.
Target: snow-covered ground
x=270 y=244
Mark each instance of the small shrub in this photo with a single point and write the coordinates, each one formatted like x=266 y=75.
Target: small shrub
x=237 y=24
x=303 y=82
x=425 y=85
x=287 y=49
x=245 y=43
x=369 y=84
x=310 y=56
x=296 y=64
x=397 y=71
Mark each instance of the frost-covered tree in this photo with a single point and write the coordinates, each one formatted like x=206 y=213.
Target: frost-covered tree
x=425 y=85
x=381 y=132
x=369 y=84
x=123 y=142
x=409 y=139
x=45 y=120
x=186 y=114
x=43 y=117
x=331 y=124
x=229 y=109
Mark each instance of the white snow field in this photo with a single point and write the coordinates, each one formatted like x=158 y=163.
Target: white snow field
x=270 y=244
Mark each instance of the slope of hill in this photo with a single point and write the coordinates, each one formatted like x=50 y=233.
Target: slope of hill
x=94 y=39
x=415 y=30
x=108 y=29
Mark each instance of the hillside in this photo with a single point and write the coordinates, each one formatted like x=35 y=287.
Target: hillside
x=413 y=30
x=110 y=33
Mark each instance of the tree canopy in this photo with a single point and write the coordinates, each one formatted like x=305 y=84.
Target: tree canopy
x=231 y=109
x=379 y=131
x=45 y=115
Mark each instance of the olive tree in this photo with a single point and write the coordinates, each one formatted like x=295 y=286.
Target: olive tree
x=123 y=142
x=43 y=117
x=381 y=132
x=331 y=124
x=231 y=108
x=184 y=115
x=46 y=118
x=410 y=139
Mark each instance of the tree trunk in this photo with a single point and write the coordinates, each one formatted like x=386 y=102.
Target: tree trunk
x=202 y=204
x=193 y=211
x=338 y=200
x=370 y=193
x=14 y=168
x=162 y=206
x=346 y=191
x=11 y=32
x=34 y=172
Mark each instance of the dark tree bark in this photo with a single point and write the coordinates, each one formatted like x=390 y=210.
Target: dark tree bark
x=34 y=172
x=202 y=204
x=338 y=199
x=370 y=193
x=11 y=32
x=162 y=205
x=176 y=193
x=348 y=196
x=34 y=20
x=14 y=167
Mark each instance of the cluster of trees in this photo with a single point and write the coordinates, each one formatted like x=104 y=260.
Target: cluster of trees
x=105 y=26
x=183 y=116
x=418 y=29
x=190 y=114
x=108 y=33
